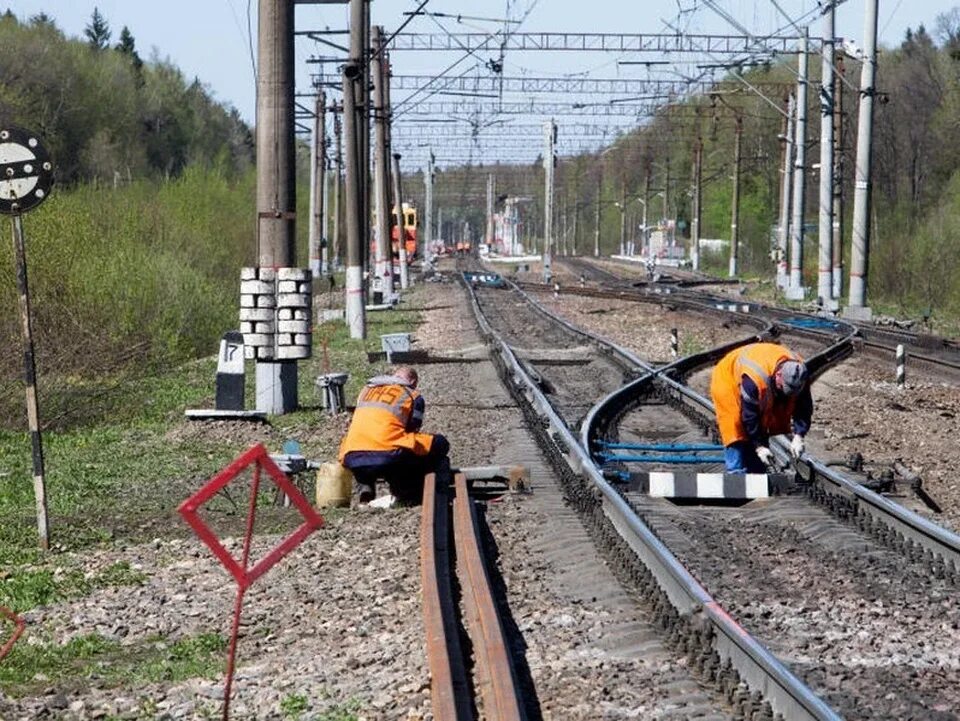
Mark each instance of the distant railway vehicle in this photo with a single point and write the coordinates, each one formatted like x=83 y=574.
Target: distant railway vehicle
x=409 y=231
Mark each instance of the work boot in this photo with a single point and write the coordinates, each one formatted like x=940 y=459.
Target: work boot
x=365 y=493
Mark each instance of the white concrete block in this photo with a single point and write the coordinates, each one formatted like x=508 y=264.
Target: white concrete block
x=269 y=274
x=284 y=339
x=266 y=353
x=246 y=327
x=293 y=326
x=265 y=327
x=258 y=339
x=287 y=286
x=248 y=274
x=248 y=301
x=266 y=301
x=285 y=313
x=292 y=352
x=249 y=352
x=304 y=339
x=299 y=314
x=293 y=274
x=252 y=314
x=293 y=300
x=305 y=287
x=257 y=287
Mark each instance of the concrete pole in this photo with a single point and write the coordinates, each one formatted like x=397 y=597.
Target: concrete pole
x=316 y=186
x=623 y=218
x=383 y=270
x=860 y=252
x=795 y=289
x=549 y=136
x=428 y=193
x=439 y=222
x=401 y=238
x=355 y=300
x=596 y=228
x=489 y=239
x=697 y=202
x=276 y=382
x=563 y=215
x=337 y=182
x=666 y=200
x=576 y=225
x=645 y=237
x=786 y=184
x=838 y=179
x=825 y=241
x=735 y=202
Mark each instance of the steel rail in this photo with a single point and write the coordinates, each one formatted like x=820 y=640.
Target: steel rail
x=449 y=690
x=496 y=678
x=762 y=671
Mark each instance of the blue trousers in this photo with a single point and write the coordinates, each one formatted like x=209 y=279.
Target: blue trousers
x=741 y=457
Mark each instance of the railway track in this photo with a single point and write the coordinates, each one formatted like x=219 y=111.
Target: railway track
x=645 y=558
x=466 y=682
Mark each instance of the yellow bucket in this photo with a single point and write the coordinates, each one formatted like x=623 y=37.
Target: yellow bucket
x=334 y=486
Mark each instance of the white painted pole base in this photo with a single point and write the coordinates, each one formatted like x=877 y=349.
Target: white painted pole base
x=277 y=387
x=356 y=320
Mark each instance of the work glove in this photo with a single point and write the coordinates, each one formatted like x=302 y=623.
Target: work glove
x=796 y=446
x=765 y=455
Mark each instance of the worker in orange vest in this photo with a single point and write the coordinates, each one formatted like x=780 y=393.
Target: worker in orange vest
x=760 y=390
x=384 y=439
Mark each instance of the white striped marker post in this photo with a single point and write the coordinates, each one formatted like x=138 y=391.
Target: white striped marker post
x=674 y=343
x=901 y=366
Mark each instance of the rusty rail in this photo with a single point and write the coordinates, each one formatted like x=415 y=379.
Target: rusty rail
x=452 y=694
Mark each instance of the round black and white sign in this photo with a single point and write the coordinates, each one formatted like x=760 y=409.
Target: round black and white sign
x=26 y=173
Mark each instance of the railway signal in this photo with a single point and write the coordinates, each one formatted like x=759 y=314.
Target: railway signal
x=26 y=176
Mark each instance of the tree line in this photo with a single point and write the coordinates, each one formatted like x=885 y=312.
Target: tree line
x=107 y=115
x=915 y=221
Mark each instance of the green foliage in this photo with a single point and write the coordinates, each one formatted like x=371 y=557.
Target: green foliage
x=293 y=705
x=107 y=116
x=145 y=274
x=30 y=667
x=98 y=31
x=24 y=588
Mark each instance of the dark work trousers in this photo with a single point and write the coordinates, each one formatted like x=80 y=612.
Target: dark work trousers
x=405 y=474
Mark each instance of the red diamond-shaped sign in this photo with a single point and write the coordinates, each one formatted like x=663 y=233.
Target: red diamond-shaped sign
x=18 y=626
x=259 y=459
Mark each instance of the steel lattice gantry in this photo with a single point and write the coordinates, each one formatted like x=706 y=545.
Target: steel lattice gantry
x=578 y=86
x=597 y=42
x=412 y=129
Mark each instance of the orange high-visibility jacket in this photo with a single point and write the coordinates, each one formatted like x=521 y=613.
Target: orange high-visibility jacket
x=758 y=361
x=386 y=414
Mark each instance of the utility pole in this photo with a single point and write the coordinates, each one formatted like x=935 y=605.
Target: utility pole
x=428 y=193
x=355 y=301
x=623 y=217
x=490 y=185
x=825 y=241
x=795 y=290
x=563 y=215
x=576 y=224
x=549 y=137
x=697 y=201
x=735 y=201
x=317 y=179
x=596 y=228
x=337 y=181
x=786 y=184
x=276 y=381
x=838 y=179
x=645 y=235
x=383 y=269
x=401 y=235
x=860 y=253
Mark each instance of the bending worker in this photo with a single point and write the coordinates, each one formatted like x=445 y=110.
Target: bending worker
x=384 y=439
x=760 y=390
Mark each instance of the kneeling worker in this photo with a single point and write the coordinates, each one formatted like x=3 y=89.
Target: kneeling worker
x=384 y=441
x=760 y=390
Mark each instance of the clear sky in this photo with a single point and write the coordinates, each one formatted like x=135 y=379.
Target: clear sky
x=209 y=38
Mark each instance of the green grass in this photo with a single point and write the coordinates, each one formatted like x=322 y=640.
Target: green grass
x=120 y=481
x=85 y=659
